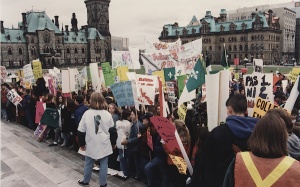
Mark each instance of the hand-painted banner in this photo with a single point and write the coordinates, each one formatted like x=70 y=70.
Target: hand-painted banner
x=146 y=87
x=121 y=58
x=135 y=58
x=258 y=65
x=262 y=106
x=163 y=46
x=166 y=130
x=171 y=91
x=14 y=97
x=182 y=109
x=157 y=61
x=294 y=74
x=108 y=73
x=258 y=85
x=132 y=77
x=3 y=73
x=188 y=59
x=123 y=94
x=37 y=69
x=179 y=163
x=121 y=72
x=59 y=80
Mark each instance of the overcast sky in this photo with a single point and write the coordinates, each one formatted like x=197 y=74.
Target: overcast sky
x=134 y=19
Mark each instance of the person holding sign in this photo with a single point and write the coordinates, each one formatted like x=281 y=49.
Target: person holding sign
x=218 y=151
x=267 y=164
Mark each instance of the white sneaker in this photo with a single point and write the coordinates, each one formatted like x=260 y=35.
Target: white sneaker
x=96 y=168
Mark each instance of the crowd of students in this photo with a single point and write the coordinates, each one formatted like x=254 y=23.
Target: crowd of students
x=116 y=137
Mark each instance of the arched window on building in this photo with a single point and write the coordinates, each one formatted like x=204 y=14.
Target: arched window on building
x=241 y=48
x=76 y=50
x=68 y=51
x=9 y=51
x=20 y=51
x=46 y=38
x=33 y=52
x=82 y=50
x=229 y=48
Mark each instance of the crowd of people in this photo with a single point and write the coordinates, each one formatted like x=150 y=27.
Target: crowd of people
x=117 y=137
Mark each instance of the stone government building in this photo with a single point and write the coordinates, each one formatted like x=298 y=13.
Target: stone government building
x=37 y=36
x=257 y=37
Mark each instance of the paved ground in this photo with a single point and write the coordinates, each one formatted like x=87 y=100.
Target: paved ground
x=26 y=162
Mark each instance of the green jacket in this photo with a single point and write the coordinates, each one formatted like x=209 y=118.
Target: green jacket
x=50 y=118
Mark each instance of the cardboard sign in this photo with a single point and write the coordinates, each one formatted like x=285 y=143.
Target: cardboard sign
x=171 y=91
x=262 y=106
x=3 y=72
x=258 y=65
x=294 y=74
x=121 y=58
x=258 y=85
x=14 y=97
x=146 y=87
x=28 y=73
x=179 y=163
x=37 y=69
x=182 y=109
x=121 y=72
x=123 y=94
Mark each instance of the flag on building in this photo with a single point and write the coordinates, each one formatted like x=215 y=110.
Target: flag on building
x=169 y=74
x=224 y=61
x=197 y=76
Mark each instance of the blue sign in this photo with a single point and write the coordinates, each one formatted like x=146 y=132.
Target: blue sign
x=123 y=93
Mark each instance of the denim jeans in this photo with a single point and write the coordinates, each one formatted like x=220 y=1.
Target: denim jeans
x=133 y=158
x=123 y=162
x=150 y=171
x=88 y=169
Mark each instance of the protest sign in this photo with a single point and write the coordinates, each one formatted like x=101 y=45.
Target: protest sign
x=3 y=73
x=179 y=163
x=40 y=108
x=94 y=75
x=65 y=81
x=108 y=73
x=59 y=80
x=171 y=91
x=121 y=72
x=146 y=87
x=121 y=58
x=182 y=109
x=149 y=140
x=157 y=61
x=289 y=105
x=166 y=130
x=28 y=73
x=180 y=70
x=181 y=81
x=37 y=69
x=123 y=94
x=294 y=74
x=258 y=85
x=135 y=58
x=14 y=97
x=51 y=86
x=261 y=107
x=73 y=81
x=258 y=65
x=163 y=46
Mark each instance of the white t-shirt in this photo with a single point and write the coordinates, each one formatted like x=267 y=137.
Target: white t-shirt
x=123 y=130
x=96 y=123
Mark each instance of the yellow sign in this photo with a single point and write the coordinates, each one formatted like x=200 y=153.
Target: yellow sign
x=20 y=73
x=294 y=74
x=261 y=107
x=162 y=78
x=182 y=112
x=179 y=163
x=121 y=72
x=37 y=69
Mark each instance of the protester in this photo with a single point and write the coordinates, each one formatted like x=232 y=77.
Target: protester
x=95 y=139
x=293 y=142
x=132 y=144
x=57 y=131
x=218 y=150
x=115 y=112
x=68 y=124
x=123 y=129
x=267 y=164
x=4 y=100
x=28 y=110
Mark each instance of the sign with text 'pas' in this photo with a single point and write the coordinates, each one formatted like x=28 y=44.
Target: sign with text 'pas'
x=37 y=69
x=14 y=97
x=146 y=89
x=258 y=85
x=123 y=94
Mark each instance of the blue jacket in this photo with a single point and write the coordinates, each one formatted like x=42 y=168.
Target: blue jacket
x=79 y=111
x=133 y=139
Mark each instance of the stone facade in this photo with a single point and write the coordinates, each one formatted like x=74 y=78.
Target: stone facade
x=258 y=37
x=39 y=37
x=297 y=46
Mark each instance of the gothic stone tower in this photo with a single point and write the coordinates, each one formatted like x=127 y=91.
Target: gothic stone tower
x=98 y=17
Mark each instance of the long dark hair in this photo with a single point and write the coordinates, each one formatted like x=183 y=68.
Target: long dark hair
x=269 y=137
